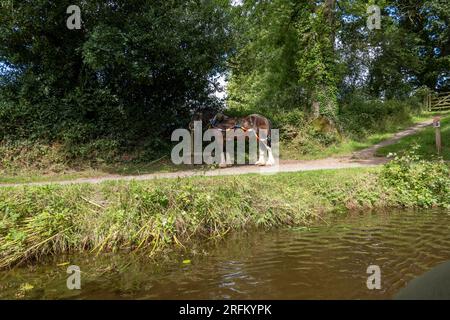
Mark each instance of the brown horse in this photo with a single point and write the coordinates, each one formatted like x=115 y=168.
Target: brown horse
x=255 y=124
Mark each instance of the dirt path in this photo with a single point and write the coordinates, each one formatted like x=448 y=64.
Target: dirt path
x=363 y=158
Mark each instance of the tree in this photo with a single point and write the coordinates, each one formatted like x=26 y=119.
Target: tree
x=134 y=71
x=286 y=57
x=310 y=55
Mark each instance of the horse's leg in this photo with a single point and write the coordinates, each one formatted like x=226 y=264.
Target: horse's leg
x=261 y=161
x=223 y=161
x=262 y=152
x=228 y=145
x=229 y=160
x=271 y=159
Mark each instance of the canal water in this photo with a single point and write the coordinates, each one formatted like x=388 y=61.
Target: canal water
x=326 y=261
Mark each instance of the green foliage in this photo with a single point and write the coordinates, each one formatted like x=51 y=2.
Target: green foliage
x=417 y=182
x=410 y=50
x=284 y=57
x=291 y=55
x=132 y=74
x=361 y=116
x=156 y=216
x=137 y=69
x=424 y=142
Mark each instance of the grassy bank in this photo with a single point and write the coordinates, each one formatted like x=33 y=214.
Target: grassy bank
x=352 y=143
x=23 y=162
x=424 y=142
x=360 y=123
x=159 y=215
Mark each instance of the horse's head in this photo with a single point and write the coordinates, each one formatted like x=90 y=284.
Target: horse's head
x=217 y=119
x=206 y=117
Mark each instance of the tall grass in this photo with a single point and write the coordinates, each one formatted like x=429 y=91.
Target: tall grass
x=160 y=215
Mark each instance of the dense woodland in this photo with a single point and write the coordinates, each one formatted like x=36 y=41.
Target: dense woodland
x=136 y=70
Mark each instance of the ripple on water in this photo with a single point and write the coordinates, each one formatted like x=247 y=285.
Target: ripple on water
x=323 y=262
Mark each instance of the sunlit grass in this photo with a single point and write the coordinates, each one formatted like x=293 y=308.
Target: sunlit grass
x=426 y=142
x=349 y=145
x=117 y=169
x=157 y=216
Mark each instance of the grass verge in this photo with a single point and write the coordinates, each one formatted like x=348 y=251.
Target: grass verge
x=425 y=141
x=155 y=216
x=350 y=144
x=26 y=174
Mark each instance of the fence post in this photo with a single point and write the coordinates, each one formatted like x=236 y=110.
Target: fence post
x=437 y=126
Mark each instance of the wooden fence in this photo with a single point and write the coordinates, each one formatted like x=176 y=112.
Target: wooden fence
x=438 y=101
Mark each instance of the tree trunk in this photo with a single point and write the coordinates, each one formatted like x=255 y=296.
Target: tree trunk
x=329 y=15
x=330 y=6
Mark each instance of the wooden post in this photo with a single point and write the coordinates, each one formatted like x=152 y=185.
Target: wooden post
x=437 y=126
x=192 y=146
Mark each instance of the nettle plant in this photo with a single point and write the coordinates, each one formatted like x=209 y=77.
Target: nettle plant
x=417 y=181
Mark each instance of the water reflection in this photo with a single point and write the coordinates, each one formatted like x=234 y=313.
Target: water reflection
x=322 y=262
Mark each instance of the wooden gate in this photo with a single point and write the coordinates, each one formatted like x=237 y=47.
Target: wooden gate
x=438 y=101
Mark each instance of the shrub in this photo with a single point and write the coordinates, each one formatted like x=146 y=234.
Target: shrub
x=360 y=116
x=416 y=182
